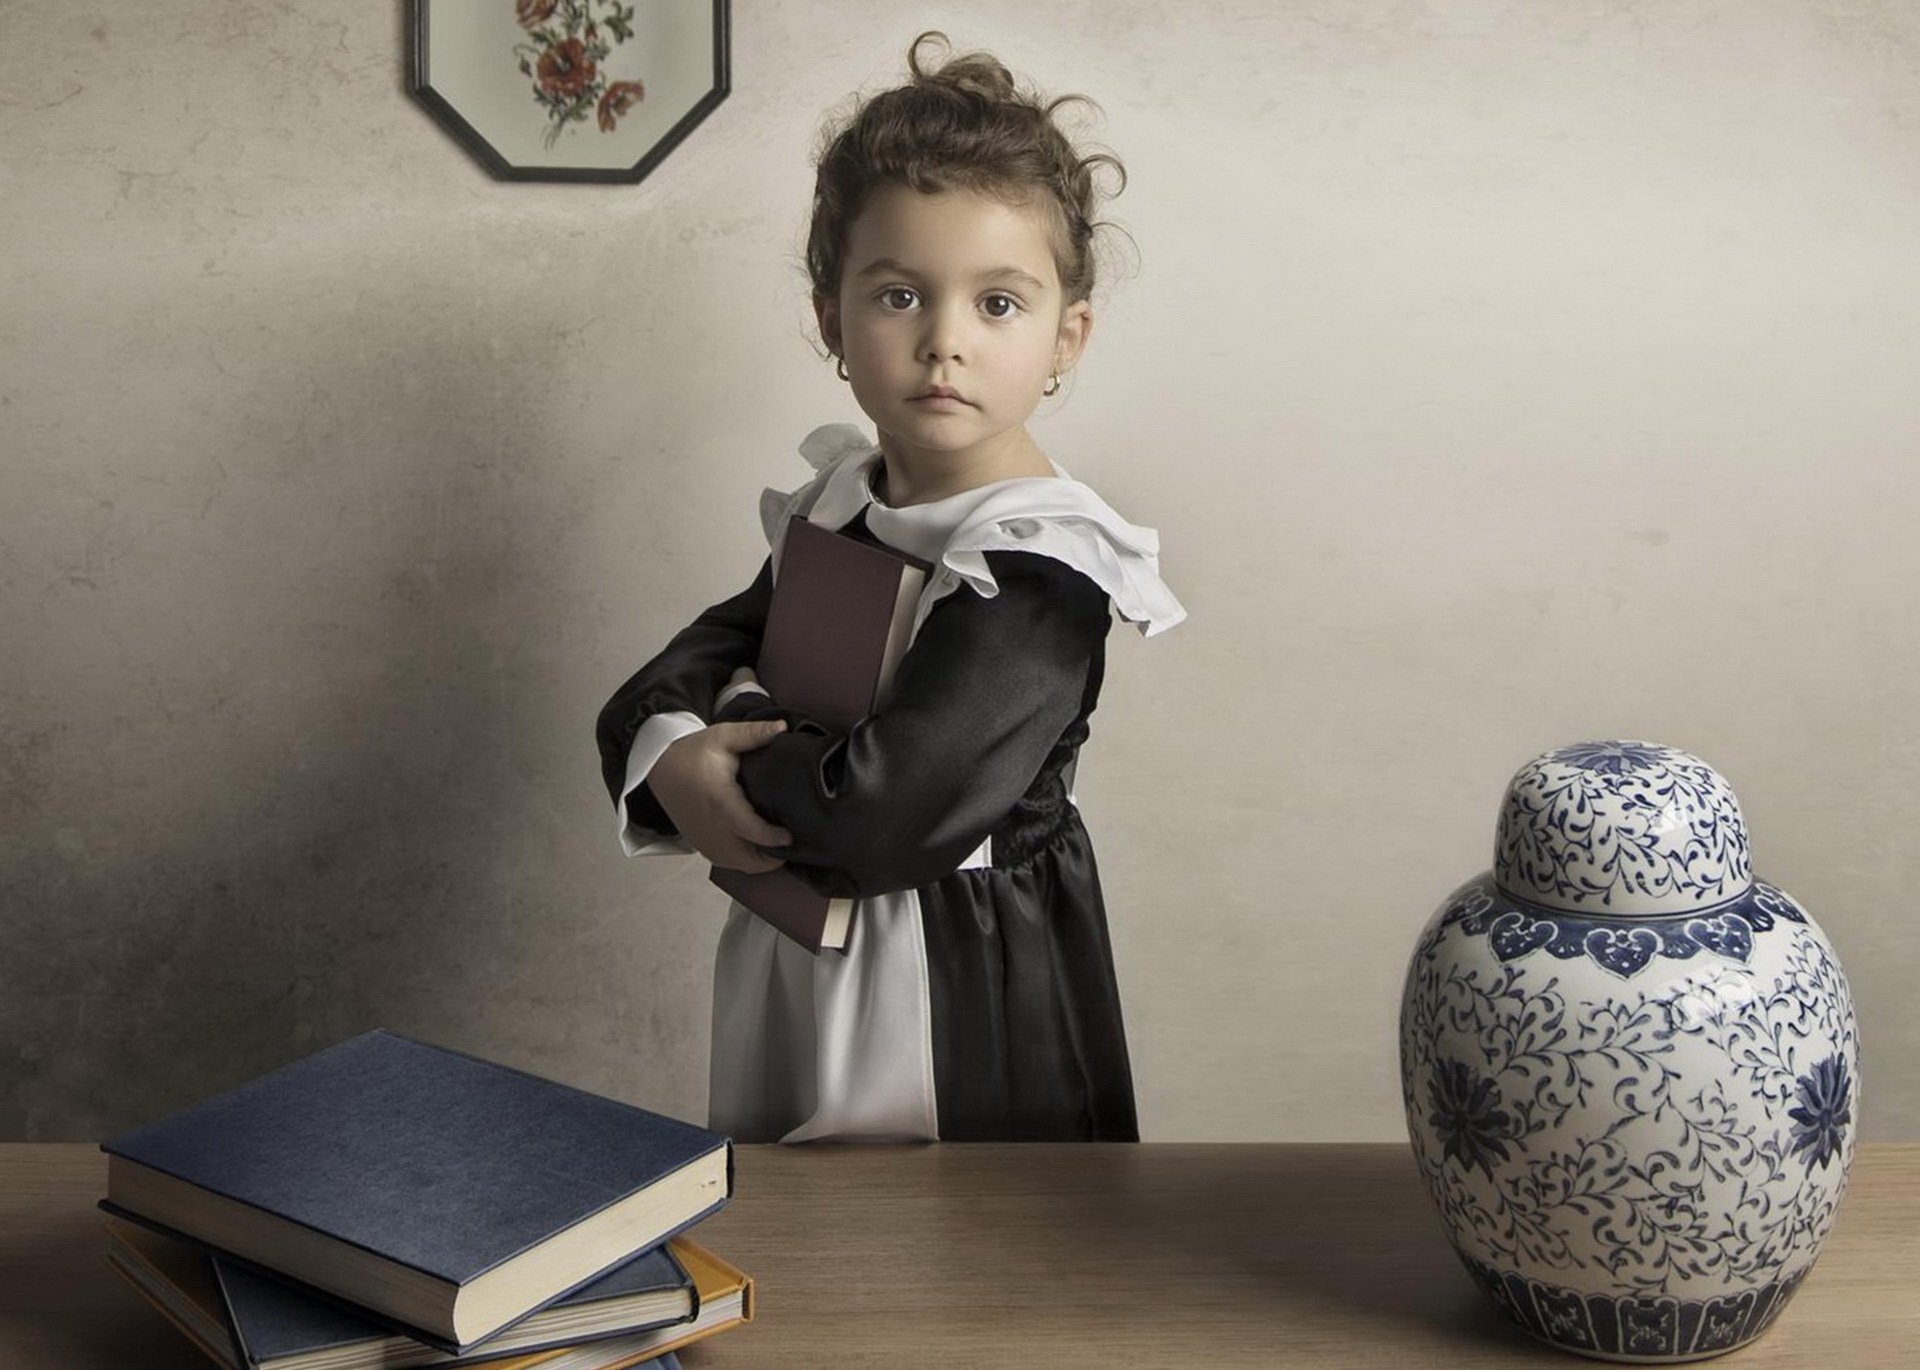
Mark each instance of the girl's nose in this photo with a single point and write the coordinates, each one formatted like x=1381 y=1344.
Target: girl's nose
x=942 y=340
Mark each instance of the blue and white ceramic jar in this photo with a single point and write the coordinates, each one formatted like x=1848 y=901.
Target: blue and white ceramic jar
x=1630 y=1069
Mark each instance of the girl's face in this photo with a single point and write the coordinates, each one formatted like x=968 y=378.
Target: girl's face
x=951 y=320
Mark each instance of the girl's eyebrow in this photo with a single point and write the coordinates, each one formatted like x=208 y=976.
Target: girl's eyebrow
x=1017 y=276
x=889 y=266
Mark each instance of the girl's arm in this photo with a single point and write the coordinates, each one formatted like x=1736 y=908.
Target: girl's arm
x=979 y=701
x=671 y=696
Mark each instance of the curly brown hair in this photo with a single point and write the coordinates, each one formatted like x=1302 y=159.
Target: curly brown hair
x=962 y=124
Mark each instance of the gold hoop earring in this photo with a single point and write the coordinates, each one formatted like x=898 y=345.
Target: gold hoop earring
x=1053 y=385
x=840 y=368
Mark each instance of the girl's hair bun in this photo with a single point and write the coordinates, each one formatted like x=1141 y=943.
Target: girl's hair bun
x=958 y=123
x=979 y=74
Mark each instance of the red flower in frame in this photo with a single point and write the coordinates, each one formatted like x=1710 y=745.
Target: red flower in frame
x=621 y=96
x=533 y=12
x=565 y=69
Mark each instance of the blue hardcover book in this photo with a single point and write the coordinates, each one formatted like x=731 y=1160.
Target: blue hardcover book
x=444 y=1193
x=278 y=1327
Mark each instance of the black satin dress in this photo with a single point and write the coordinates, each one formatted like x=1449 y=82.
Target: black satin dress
x=988 y=712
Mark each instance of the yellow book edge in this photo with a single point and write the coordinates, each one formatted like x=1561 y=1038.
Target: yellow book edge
x=715 y=1279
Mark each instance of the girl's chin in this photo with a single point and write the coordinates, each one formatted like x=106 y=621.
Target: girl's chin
x=947 y=430
x=942 y=432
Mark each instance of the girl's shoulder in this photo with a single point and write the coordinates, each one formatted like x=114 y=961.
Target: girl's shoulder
x=1066 y=520
x=1056 y=517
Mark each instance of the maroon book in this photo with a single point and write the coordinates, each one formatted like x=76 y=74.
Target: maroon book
x=839 y=622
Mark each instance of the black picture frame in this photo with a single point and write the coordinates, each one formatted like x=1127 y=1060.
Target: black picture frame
x=492 y=133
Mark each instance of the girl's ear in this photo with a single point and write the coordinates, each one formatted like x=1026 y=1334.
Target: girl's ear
x=826 y=312
x=1076 y=326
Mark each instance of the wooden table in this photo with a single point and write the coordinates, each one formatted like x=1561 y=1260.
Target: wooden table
x=988 y=1256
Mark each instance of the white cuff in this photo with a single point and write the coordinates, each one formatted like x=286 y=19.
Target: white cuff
x=726 y=696
x=655 y=736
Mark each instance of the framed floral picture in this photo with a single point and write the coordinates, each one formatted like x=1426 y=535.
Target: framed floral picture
x=570 y=90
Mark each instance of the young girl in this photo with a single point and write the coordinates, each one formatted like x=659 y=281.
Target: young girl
x=951 y=260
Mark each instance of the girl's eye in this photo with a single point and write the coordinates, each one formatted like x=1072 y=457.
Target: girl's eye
x=898 y=297
x=1000 y=306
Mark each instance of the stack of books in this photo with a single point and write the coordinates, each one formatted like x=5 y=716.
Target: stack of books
x=386 y=1204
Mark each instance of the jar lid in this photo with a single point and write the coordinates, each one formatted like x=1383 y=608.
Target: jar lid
x=1621 y=828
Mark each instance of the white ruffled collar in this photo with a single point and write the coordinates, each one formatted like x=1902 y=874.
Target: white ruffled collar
x=1054 y=516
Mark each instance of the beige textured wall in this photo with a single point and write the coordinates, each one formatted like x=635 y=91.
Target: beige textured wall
x=1499 y=375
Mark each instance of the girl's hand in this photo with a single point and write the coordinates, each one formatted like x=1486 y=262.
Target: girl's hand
x=697 y=782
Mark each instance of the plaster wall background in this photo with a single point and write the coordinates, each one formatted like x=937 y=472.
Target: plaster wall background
x=1498 y=375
